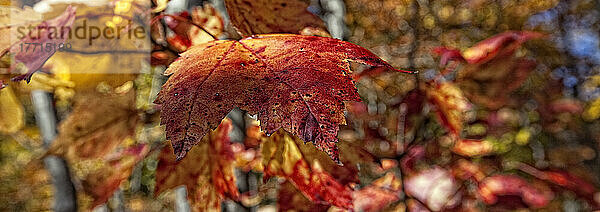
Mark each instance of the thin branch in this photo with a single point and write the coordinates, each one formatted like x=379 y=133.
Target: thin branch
x=178 y=18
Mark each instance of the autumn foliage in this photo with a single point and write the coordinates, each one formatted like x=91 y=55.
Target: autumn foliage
x=258 y=106
x=298 y=83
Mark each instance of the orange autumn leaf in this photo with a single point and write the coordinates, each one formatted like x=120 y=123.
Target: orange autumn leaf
x=179 y=43
x=186 y=27
x=473 y=148
x=252 y=17
x=186 y=32
x=491 y=84
x=253 y=136
x=294 y=82
x=534 y=195
x=96 y=140
x=451 y=105
x=207 y=172
x=98 y=124
x=374 y=197
x=352 y=156
x=289 y=198
x=378 y=194
x=101 y=183
x=492 y=71
x=464 y=169
x=580 y=186
x=500 y=45
x=503 y=44
x=305 y=167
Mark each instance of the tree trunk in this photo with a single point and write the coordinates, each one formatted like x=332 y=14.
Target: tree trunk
x=65 y=196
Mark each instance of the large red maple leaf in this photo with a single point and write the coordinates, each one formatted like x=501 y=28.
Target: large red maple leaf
x=295 y=82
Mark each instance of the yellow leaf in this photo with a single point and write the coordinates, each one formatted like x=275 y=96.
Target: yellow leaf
x=592 y=112
x=98 y=124
x=307 y=168
x=11 y=112
x=160 y=6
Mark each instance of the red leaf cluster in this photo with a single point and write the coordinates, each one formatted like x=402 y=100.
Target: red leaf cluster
x=500 y=45
x=208 y=171
x=491 y=188
x=306 y=168
x=102 y=183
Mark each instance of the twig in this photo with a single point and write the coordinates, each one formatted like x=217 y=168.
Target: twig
x=178 y=18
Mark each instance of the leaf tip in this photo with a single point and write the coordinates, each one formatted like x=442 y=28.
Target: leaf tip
x=334 y=154
x=409 y=70
x=180 y=155
x=179 y=151
x=26 y=77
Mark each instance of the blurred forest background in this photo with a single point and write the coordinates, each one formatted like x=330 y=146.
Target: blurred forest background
x=535 y=111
